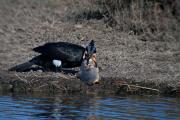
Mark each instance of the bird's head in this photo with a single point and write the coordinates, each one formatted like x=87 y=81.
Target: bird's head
x=90 y=50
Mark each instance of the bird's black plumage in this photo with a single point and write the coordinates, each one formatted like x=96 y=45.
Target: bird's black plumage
x=64 y=51
x=70 y=54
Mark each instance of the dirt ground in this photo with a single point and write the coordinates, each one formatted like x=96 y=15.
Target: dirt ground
x=28 y=24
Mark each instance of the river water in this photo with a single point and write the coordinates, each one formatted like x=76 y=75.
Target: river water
x=92 y=107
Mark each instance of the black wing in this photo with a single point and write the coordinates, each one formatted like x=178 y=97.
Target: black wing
x=62 y=50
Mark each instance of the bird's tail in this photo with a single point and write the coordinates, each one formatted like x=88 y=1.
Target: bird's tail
x=22 y=67
x=25 y=66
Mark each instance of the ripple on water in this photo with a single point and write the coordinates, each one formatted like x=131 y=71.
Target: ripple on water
x=83 y=107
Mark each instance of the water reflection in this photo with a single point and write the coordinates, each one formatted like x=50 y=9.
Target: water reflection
x=72 y=107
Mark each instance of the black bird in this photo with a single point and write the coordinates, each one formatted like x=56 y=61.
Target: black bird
x=57 y=55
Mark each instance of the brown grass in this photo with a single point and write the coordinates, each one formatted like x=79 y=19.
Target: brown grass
x=145 y=17
x=139 y=17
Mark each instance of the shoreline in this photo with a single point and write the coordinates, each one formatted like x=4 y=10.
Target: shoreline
x=48 y=82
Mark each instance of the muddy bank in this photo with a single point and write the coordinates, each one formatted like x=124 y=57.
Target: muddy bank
x=60 y=83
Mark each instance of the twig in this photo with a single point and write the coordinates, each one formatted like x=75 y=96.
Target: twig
x=59 y=87
x=137 y=86
x=41 y=86
x=24 y=80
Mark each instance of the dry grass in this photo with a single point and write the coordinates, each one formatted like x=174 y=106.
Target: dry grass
x=138 y=17
x=146 y=18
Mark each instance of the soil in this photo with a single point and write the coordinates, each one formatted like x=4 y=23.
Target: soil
x=153 y=62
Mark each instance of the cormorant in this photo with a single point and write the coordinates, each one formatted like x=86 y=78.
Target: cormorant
x=57 y=55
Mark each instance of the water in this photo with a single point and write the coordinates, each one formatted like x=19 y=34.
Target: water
x=92 y=107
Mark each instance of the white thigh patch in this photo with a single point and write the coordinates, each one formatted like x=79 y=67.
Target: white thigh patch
x=57 y=63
